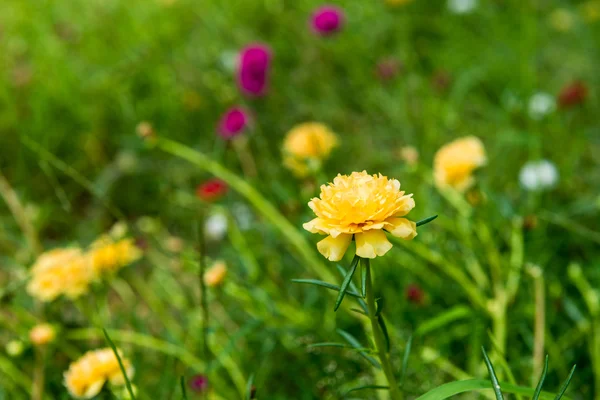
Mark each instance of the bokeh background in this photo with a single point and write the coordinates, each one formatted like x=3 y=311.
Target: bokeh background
x=78 y=78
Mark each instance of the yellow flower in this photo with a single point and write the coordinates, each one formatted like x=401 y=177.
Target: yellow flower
x=86 y=376
x=362 y=206
x=454 y=163
x=215 y=275
x=42 y=334
x=306 y=146
x=108 y=256
x=410 y=155
x=60 y=272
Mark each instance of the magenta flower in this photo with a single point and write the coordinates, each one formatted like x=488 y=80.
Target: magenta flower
x=199 y=383
x=253 y=69
x=233 y=122
x=327 y=20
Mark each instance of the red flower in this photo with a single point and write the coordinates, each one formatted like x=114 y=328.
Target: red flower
x=415 y=294
x=211 y=190
x=572 y=94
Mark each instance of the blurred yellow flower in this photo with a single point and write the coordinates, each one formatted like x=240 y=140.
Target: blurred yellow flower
x=410 y=155
x=454 y=163
x=108 y=256
x=306 y=146
x=42 y=334
x=86 y=376
x=60 y=272
x=362 y=206
x=215 y=275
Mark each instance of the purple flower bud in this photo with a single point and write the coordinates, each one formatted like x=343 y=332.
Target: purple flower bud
x=253 y=69
x=233 y=122
x=327 y=20
x=388 y=68
x=199 y=383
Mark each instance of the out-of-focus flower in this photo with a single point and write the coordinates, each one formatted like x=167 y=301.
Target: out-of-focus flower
x=85 y=377
x=60 y=272
x=454 y=163
x=174 y=244
x=538 y=175
x=415 y=294
x=118 y=230
x=109 y=256
x=233 y=122
x=306 y=146
x=215 y=275
x=327 y=20
x=42 y=334
x=199 y=383
x=396 y=3
x=215 y=226
x=14 y=348
x=590 y=10
x=253 y=69
x=362 y=206
x=540 y=105
x=211 y=190
x=572 y=94
x=145 y=130
x=410 y=155
x=530 y=222
x=461 y=6
x=562 y=20
x=388 y=68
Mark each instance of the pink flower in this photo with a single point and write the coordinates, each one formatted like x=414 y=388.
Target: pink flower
x=253 y=69
x=415 y=294
x=573 y=94
x=199 y=383
x=233 y=122
x=327 y=20
x=388 y=68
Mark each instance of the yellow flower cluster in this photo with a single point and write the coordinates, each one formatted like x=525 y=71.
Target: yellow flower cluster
x=454 y=163
x=70 y=271
x=306 y=146
x=216 y=274
x=42 y=334
x=86 y=376
x=363 y=207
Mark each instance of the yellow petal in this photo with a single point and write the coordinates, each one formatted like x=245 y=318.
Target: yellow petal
x=334 y=248
x=402 y=228
x=313 y=226
x=93 y=389
x=371 y=244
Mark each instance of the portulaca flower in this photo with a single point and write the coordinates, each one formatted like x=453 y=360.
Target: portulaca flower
x=540 y=105
x=461 y=6
x=538 y=175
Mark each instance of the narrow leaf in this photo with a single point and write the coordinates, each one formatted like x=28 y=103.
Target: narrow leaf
x=361 y=302
x=565 y=385
x=493 y=377
x=385 y=332
x=379 y=305
x=327 y=344
x=346 y=283
x=356 y=344
x=426 y=220
x=538 y=388
x=249 y=387
x=183 y=391
x=447 y=390
x=363 y=279
x=114 y=349
x=356 y=310
x=374 y=387
x=325 y=285
x=405 y=359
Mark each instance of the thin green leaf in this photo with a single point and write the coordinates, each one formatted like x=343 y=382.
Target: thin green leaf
x=360 y=300
x=565 y=385
x=538 y=388
x=363 y=279
x=325 y=285
x=493 y=377
x=443 y=319
x=356 y=310
x=448 y=390
x=114 y=349
x=379 y=303
x=356 y=344
x=346 y=283
x=249 y=387
x=426 y=220
x=364 y=387
x=385 y=332
x=405 y=359
x=183 y=391
x=327 y=344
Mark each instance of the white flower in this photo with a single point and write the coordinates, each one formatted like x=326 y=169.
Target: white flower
x=538 y=175
x=461 y=6
x=215 y=226
x=540 y=105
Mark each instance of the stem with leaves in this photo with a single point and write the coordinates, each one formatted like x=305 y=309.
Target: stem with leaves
x=380 y=343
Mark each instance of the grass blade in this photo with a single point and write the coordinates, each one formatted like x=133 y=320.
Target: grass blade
x=114 y=349
x=493 y=377
x=356 y=344
x=538 y=388
x=327 y=344
x=346 y=283
x=363 y=279
x=385 y=332
x=565 y=385
x=364 y=387
x=426 y=220
x=183 y=391
x=405 y=360
x=325 y=285
x=360 y=300
x=249 y=394
x=448 y=390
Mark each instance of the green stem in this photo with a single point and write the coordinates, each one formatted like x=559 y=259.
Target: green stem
x=379 y=339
